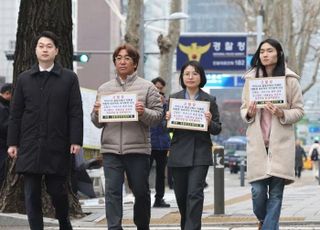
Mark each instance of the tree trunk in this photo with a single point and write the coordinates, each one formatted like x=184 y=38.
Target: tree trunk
x=135 y=30
x=167 y=45
x=133 y=23
x=36 y=16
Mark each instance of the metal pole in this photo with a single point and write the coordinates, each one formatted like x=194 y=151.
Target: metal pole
x=260 y=25
x=259 y=29
x=218 y=180
x=318 y=161
x=242 y=172
x=141 y=42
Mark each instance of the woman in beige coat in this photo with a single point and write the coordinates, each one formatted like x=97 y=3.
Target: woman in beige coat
x=270 y=133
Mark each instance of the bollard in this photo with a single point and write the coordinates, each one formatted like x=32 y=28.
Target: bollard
x=318 y=171
x=218 y=168
x=242 y=172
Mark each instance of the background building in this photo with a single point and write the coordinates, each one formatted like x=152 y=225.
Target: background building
x=98 y=33
x=8 y=28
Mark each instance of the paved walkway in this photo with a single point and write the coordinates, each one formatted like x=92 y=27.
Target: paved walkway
x=301 y=205
x=301 y=209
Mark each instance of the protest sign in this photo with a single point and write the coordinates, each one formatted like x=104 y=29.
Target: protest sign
x=118 y=107
x=268 y=89
x=188 y=114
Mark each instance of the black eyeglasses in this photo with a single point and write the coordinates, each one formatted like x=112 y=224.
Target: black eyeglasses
x=125 y=58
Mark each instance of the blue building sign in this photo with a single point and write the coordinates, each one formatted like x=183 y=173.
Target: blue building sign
x=215 y=53
x=224 y=81
x=314 y=129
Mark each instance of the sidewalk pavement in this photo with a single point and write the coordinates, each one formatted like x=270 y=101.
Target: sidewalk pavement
x=300 y=210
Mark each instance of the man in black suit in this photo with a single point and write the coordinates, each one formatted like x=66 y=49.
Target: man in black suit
x=45 y=128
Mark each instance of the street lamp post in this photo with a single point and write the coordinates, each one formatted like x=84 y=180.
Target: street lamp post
x=260 y=25
x=146 y=23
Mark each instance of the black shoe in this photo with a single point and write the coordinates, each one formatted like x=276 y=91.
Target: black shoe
x=206 y=185
x=161 y=204
x=65 y=224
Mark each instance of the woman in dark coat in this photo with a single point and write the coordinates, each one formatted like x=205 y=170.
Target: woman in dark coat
x=191 y=151
x=300 y=155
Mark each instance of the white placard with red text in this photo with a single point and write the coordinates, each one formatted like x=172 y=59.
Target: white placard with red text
x=268 y=89
x=188 y=114
x=118 y=108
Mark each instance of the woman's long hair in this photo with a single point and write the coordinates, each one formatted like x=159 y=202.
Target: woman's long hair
x=279 y=69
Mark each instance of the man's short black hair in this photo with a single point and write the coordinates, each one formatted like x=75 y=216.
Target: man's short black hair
x=50 y=35
x=6 y=88
x=158 y=79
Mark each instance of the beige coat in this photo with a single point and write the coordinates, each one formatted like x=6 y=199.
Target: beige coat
x=279 y=162
x=132 y=136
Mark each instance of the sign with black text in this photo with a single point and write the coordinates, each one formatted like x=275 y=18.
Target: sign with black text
x=118 y=108
x=268 y=89
x=188 y=114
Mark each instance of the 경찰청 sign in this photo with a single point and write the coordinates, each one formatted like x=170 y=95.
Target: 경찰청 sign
x=215 y=53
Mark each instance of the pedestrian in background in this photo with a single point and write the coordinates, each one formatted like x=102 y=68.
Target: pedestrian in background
x=191 y=151
x=271 y=145
x=160 y=143
x=5 y=97
x=46 y=125
x=126 y=146
x=315 y=162
x=300 y=156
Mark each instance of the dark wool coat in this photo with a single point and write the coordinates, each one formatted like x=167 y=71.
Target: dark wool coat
x=300 y=154
x=4 y=118
x=46 y=118
x=193 y=148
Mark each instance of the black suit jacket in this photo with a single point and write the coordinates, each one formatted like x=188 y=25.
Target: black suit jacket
x=193 y=148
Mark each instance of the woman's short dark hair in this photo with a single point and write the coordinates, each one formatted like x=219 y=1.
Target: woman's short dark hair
x=279 y=69
x=48 y=34
x=132 y=52
x=158 y=79
x=198 y=68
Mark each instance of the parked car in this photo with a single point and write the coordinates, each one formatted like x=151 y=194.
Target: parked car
x=235 y=152
x=235 y=161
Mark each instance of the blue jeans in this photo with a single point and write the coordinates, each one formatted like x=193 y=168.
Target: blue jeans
x=267 y=200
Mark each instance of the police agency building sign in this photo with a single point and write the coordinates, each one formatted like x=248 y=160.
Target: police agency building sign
x=215 y=53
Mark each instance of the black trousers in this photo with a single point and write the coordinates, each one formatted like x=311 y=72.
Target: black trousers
x=56 y=188
x=188 y=185
x=136 y=167
x=160 y=157
x=3 y=160
x=298 y=170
